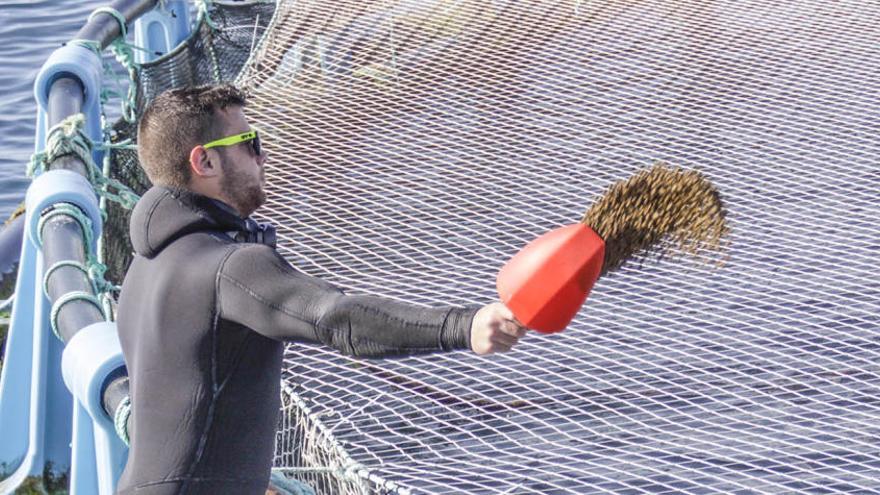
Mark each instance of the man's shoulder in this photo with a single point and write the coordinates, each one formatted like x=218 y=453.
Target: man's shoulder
x=252 y=257
x=189 y=258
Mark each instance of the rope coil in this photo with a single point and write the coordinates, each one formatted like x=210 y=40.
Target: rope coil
x=120 y=420
x=68 y=298
x=61 y=264
x=64 y=138
x=124 y=53
x=69 y=210
x=123 y=27
x=93 y=269
x=67 y=138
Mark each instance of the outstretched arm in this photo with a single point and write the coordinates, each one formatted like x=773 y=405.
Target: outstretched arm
x=257 y=288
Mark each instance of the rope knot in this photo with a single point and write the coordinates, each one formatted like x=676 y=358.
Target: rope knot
x=65 y=138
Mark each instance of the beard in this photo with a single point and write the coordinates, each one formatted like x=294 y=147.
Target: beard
x=243 y=191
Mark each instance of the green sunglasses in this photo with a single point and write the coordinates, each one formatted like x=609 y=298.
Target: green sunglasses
x=252 y=136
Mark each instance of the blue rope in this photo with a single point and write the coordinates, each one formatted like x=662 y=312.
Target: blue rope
x=123 y=28
x=67 y=137
x=124 y=53
x=203 y=7
x=72 y=211
x=61 y=264
x=72 y=296
x=64 y=138
x=93 y=269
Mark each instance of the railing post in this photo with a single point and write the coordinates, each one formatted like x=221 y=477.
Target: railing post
x=161 y=30
x=39 y=422
x=35 y=406
x=99 y=456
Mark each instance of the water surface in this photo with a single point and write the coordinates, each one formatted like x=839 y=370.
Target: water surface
x=29 y=32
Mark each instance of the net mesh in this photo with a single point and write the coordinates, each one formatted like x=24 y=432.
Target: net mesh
x=414 y=146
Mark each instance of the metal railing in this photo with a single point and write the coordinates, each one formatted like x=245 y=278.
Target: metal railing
x=46 y=426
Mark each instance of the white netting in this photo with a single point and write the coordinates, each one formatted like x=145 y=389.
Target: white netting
x=416 y=145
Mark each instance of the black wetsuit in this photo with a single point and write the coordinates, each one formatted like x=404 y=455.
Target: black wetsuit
x=202 y=320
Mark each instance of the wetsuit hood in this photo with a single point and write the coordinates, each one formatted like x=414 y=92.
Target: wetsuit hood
x=164 y=214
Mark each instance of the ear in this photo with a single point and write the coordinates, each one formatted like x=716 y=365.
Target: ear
x=201 y=163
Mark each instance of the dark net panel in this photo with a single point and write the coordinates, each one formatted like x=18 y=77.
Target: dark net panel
x=209 y=55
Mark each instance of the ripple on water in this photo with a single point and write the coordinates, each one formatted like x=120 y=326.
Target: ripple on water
x=29 y=32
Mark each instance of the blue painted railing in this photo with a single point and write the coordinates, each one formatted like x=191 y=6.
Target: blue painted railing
x=52 y=422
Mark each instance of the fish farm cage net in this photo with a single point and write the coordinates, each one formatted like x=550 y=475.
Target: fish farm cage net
x=415 y=146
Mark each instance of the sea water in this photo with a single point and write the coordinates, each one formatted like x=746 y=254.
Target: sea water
x=29 y=32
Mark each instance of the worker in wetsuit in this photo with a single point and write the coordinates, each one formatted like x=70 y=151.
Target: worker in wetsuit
x=208 y=304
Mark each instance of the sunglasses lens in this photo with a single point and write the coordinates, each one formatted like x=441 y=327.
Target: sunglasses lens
x=255 y=144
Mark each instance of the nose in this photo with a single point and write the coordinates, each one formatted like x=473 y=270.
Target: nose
x=261 y=160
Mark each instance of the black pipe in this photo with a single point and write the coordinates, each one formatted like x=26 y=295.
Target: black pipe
x=62 y=235
x=114 y=391
x=63 y=241
x=66 y=99
x=104 y=28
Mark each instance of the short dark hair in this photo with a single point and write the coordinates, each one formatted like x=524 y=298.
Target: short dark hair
x=175 y=122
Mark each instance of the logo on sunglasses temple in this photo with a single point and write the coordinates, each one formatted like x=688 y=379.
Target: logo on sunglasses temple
x=252 y=136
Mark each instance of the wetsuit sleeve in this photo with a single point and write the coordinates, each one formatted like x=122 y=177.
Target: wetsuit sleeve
x=257 y=288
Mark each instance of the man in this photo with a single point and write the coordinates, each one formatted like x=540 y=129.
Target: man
x=207 y=305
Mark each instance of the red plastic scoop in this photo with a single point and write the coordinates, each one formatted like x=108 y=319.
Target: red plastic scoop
x=547 y=282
